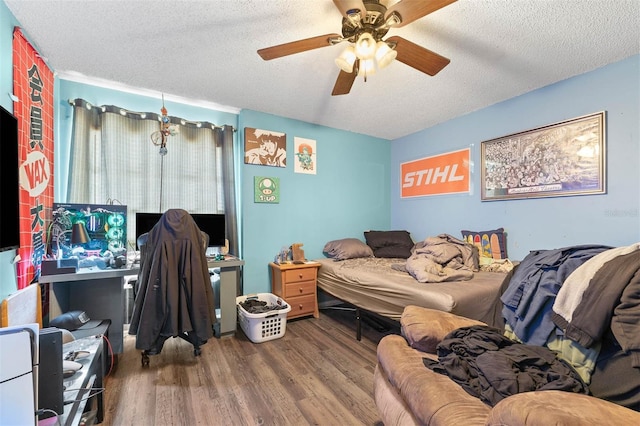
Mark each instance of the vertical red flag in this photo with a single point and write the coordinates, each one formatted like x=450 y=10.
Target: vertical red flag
x=33 y=86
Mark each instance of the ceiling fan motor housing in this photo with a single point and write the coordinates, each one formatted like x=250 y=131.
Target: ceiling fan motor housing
x=371 y=21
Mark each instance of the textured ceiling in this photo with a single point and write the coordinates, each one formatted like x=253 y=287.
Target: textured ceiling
x=206 y=51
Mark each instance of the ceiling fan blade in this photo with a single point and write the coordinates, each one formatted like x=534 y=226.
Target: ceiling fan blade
x=346 y=5
x=343 y=83
x=285 y=49
x=418 y=57
x=410 y=10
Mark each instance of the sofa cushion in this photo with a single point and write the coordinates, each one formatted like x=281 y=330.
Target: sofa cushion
x=424 y=328
x=553 y=407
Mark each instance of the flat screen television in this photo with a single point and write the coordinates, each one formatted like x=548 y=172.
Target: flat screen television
x=9 y=182
x=213 y=225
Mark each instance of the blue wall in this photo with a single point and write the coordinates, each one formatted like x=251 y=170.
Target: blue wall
x=349 y=194
x=612 y=218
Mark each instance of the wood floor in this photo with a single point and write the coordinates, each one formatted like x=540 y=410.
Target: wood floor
x=316 y=374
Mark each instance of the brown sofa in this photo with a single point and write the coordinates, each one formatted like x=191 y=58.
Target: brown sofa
x=408 y=393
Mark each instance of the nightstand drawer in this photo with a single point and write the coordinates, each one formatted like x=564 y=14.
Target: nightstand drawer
x=295 y=275
x=301 y=305
x=299 y=289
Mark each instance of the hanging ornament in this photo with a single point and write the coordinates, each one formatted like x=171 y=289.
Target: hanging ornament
x=159 y=138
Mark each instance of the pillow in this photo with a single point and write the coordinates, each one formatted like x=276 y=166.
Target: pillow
x=389 y=243
x=347 y=248
x=491 y=244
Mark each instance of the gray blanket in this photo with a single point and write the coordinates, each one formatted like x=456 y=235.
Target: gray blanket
x=442 y=258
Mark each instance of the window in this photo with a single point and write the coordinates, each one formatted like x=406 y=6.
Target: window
x=113 y=160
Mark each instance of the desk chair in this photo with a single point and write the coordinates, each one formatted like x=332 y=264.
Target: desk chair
x=172 y=262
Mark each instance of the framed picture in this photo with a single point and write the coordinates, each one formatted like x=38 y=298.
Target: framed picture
x=266 y=189
x=265 y=147
x=562 y=159
x=305 y=156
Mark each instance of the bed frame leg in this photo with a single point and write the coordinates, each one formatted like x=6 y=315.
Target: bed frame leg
x=358 y=329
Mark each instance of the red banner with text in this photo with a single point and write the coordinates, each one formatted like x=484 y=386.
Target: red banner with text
x=33 y=86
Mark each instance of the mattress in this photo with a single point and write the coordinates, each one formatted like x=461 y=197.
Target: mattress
x=373 y=285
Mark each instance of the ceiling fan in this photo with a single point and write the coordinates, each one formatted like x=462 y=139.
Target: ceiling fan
x=364 y=24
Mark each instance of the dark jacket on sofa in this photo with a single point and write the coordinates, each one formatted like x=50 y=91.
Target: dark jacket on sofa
x=527 y=305
x=490 y=366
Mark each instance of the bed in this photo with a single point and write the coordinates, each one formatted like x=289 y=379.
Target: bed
x=380 y=286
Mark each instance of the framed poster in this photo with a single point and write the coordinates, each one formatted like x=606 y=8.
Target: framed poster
x=562 y=159
x=266 y=189
x=265 y=147
x=305 y=156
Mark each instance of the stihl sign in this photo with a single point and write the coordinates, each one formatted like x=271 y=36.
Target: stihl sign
x=441 y=174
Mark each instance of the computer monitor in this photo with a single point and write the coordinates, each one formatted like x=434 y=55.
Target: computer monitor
x=213 y=225
x=145 y=222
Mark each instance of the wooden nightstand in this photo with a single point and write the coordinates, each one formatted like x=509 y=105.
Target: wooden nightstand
x=296 y=284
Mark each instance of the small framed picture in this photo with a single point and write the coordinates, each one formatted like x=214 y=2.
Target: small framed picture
x=305 y=160
x=266 y=190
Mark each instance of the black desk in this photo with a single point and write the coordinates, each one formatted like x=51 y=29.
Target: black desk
x=98 y=292
x=86 y=384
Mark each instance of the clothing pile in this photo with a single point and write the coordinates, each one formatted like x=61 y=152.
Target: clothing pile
x=254 y=306
x=442 y=258
x=492 y=367
x=572 y=322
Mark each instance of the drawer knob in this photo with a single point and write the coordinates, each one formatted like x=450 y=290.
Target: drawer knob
x=300 y=275
x=300 y=289
x=300 y=307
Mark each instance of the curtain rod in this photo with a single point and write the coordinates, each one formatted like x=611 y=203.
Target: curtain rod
x=144 y=115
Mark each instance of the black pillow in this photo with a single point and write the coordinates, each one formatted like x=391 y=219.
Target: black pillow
x=389 y=243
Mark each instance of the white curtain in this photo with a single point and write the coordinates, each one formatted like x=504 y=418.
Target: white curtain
x=113 y=161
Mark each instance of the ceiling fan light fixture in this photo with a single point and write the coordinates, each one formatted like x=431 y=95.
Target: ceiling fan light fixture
x=366 y=46
x=384 y=54
x=367 y=68
x=346 y=59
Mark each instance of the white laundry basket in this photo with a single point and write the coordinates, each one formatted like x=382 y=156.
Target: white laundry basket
x=265 y=326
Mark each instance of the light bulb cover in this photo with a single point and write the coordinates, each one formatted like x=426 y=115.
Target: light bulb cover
x=367 y=68
x=346 y=59
x=366 y=46
x=384 y=54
